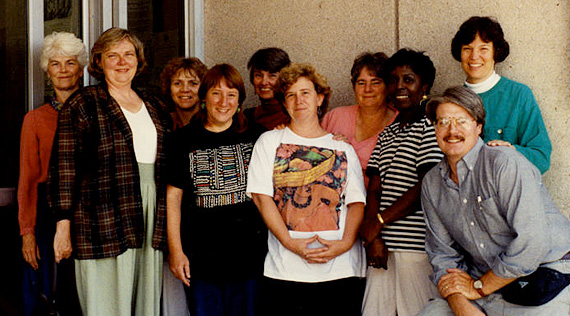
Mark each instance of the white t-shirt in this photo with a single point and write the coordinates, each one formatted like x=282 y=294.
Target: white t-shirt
x=144 y=134
x=312 y=180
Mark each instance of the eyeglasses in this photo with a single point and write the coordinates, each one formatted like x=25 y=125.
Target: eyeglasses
x=461 y=122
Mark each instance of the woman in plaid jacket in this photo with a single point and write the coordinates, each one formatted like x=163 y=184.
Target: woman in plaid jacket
x=105 y=184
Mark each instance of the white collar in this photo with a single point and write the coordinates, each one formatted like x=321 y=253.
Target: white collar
x=485 y=85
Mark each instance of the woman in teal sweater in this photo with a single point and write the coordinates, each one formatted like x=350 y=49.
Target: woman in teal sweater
x=513 y=116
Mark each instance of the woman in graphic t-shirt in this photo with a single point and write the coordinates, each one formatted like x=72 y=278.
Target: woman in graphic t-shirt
x=309 y=190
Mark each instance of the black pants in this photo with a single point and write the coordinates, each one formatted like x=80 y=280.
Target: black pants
x=338 y=297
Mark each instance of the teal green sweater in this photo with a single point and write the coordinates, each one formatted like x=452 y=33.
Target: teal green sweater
x=514 y=116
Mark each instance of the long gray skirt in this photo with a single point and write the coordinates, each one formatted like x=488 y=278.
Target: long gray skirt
x=131 y=281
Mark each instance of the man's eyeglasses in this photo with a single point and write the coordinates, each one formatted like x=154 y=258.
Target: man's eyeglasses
x=461 y=122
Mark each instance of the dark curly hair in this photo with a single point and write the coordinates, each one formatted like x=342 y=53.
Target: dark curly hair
x=418 y=61
x=488 y=29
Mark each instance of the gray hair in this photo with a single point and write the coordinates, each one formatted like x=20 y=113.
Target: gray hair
x=462 y=97
x=64 y=44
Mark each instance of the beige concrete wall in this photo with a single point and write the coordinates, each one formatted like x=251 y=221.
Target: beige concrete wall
x=330 y=34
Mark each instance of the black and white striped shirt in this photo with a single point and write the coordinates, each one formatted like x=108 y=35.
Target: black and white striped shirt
x=398 y=157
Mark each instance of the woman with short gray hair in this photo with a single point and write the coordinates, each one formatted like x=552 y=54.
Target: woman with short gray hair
x=63 y=59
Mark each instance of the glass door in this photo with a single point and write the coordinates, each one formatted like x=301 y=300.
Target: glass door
x=13 y=88
x=60 y=16
x=159 y=24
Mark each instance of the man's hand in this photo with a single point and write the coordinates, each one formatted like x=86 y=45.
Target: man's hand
x=461 y=306
x=30 y=250
x=457 y=281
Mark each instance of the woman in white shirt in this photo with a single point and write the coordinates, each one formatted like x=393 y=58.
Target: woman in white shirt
x=309 y=190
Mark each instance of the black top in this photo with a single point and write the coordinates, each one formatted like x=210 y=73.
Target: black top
x=222 y=232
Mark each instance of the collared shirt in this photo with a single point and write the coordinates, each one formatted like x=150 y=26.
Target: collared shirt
x=56 y=104
x=500 y=217
x=94 y=179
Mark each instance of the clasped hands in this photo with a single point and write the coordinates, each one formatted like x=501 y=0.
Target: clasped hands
x=376 y=250
x=457 y=281
x=330 y=249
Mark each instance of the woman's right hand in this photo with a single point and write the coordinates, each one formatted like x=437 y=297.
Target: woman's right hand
x=180 y=266
x=62 y=241
x=369 y=230
x=377 y=254
x=30 y=250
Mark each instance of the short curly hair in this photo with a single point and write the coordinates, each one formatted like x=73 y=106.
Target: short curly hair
x=418 y=61
x=289 y=75
x=374 y=62
x=107 y=39
x=190 y=65
x=488 y=29
x=64 y=44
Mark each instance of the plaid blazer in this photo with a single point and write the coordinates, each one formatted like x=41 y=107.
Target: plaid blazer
x=94 y=179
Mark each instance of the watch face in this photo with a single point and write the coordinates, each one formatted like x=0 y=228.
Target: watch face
x=478 y=284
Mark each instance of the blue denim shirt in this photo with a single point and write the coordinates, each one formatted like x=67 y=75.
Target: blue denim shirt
x=500 y=217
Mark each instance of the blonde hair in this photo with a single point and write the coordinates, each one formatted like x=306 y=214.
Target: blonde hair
x=107 y=39
x=289 y=75
x=64 y=44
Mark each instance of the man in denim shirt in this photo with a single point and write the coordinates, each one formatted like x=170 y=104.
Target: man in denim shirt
x=489 y=217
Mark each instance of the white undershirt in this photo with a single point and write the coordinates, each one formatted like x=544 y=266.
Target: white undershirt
x=144 y=134
x=485 y=85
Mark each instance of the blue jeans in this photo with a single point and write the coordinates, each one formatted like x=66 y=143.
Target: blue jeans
x=210 y=298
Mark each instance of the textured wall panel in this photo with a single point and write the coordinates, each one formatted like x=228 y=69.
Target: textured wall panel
x=539 y=37
x=329 y=34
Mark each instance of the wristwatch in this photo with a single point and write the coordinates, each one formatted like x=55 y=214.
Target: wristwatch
x=478 y=285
